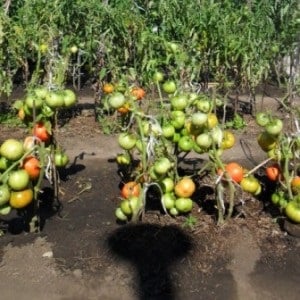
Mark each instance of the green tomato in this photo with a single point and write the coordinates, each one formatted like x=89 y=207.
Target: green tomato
x=262 y=119
x=167 y=185
x=126 y=140
x=69 y=98
x=55 y=99
x=32 y=101
x=168 y=200
x=158 y=76
x=204 y=105
x=186 y=143
x=61 y=159
x=18 y=180
x=199 y=118
x=12 y=149
x=41 y=92
x=250 y=184
x=4 y=194
x=179 y=102
x=120 y=215
x=184 y=205
x=274 y=127
x=292 y=211
x=168 y=131
x=116 y=100
x=169 y=87
x=177 y=119
x=204 y=140
x=162 y=166
x=5 y=209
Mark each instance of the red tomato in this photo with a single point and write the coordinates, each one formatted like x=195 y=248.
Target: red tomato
x=32 y=166
x=138 y=92
x=131 y=188
x=41 y=132
x=273 y=172
x=234 y=170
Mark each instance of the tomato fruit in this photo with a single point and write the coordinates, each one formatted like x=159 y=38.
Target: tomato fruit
x=274 y=127
x=138 y=93
x=228 y=140
x=123 y=159
x=179 y=102
x=41 y=92
x=129 y=189
x=4 y=163
x=295 y=185
x=235 y=171
x=12 y=149
x=69 y=98
x=177 y=119
x=32 y=101
x=199 y=118
x=266 y=141
x=167 y=185
x=168 y=131
x=55 y=99
x=169 y=86
x=126 y=140
x=158 y=76
x=216 y=134
x=74 y=49
x=273 y=172
x=20 y=199
x=185 y=187
x=120 y=215
x=250 y=184
x=5 y=209
x=162 y=166
x=18 y=179
x=126 y=207
x=186 y=143
x=32 y=166
x=184 y=205
x=292 y=211
x=212 y=120
x=61 y=159
x=108 y=88
x=123 y=110
x=41 y=132
x=262 y=119
x=168 y=199
x=28 y=143
x=116 y=100
x=4 y=194
x=204 y=140
x=204 y=105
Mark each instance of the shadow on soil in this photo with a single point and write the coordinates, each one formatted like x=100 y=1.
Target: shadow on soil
x=152 y=249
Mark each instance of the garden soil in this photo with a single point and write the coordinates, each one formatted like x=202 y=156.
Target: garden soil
x=82 y=253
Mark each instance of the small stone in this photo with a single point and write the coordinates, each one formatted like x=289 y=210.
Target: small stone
x=292 y=228
x=77 y=273
x=48 y=254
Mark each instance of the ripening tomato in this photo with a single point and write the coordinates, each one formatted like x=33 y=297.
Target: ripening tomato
x=20 y=199
x=123 y=110
x=41 y=132
x=295 y=185
x=131 y=188
x=273 y=172
x=228 y=140
x=250 y=184
x=185 y=187
x=138 y=92
x=234 y=170
x=32 y=166
x=212 y=120
x=266 y=141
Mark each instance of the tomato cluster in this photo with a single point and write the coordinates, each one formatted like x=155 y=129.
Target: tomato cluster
x=283 y=148
x=185 y=122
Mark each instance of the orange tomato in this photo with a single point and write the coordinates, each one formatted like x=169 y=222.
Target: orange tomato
x=234 y=170
x=184 y=188
x=138 y=92
x=20 y=199
x=124 y=109
x=295 y=184
x=131 y=188
x=108 y=88
x=32 y=166
x=273 y=172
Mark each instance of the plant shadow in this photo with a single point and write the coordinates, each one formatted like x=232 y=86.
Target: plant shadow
x=152 y=249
